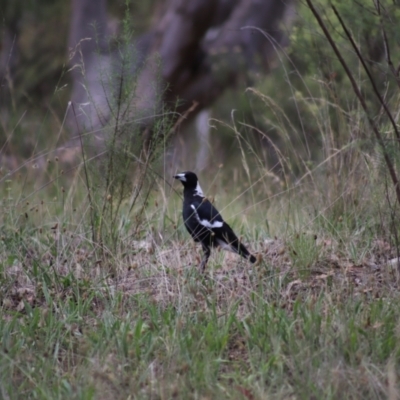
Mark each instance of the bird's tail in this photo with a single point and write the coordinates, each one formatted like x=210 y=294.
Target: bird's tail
x=235 y=245
x=245 y=253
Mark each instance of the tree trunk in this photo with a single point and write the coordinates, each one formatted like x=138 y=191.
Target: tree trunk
x=194 y=51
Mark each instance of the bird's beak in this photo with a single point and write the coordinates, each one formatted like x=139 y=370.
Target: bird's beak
x=181 y=177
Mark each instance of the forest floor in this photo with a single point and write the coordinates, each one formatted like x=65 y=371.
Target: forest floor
x=316 y=317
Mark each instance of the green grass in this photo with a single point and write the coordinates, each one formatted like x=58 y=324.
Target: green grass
x=316 y=318
x=100 y=296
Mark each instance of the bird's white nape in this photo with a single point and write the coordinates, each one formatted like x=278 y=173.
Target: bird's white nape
x=198 y=191
x=205 y=222
x=181 y=177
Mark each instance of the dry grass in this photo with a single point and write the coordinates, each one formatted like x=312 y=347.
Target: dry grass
x=316 y=316
x=100 y=295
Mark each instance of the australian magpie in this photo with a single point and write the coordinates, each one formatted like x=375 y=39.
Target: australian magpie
x=204 y=222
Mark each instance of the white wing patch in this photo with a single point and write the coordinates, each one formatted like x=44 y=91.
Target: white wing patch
x=206 y=223
x=198 y=191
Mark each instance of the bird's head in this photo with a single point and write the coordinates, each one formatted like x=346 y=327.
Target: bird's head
x=189 y=181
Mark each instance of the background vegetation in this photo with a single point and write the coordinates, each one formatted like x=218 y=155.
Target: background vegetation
x=99 y=292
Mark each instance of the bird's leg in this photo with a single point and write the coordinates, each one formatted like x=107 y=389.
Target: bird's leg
x=206 y=256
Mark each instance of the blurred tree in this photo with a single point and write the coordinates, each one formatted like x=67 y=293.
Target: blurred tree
x=31 y=56
x=192 y=53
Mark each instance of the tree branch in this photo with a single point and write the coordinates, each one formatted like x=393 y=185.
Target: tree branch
x=371 y=79
x=360 y=97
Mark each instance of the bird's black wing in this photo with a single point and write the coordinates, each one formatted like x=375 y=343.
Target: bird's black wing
x=206 y=214
x=210 y=218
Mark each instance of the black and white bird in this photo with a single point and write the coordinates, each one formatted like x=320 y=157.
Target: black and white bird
x=205 y=223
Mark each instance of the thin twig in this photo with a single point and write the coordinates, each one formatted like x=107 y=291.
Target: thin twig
x=389 y=61
x=86 y=177
x=360 y=57
x=360 y=97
